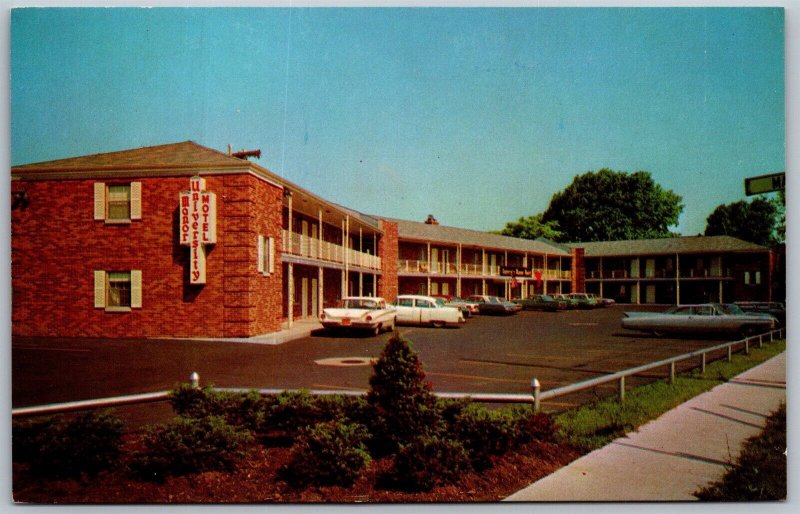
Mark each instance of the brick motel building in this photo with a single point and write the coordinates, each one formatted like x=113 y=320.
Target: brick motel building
x=181 y=240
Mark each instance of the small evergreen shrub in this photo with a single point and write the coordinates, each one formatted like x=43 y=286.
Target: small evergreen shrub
x=329 y=453
x=532 y=426
x=190 y=445
x=427 y=462
x=67 y=447
x=290 y=411
x=484 y=433
x=403 y=405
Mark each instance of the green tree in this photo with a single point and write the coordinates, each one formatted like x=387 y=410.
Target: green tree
x=756 y=221
x=609 y=205
x=532 y=227
x=404 y=405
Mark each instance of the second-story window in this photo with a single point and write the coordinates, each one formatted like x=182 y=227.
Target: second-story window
x=118 y=203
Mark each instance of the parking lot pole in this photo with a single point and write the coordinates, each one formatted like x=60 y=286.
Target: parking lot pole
x=537 y=389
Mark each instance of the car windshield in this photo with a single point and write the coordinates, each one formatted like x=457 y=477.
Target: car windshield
x=440 y=302
x=357 y=303
x=730 y=308
x=546 y=298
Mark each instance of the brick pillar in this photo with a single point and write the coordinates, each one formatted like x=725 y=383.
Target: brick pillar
x=578 y=270
x=388 y=250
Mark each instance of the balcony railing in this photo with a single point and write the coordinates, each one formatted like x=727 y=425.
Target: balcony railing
x=659 y=273
x=450 y=268
x=314 y=248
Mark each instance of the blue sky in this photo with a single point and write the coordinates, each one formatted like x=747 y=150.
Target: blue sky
x=477 y=116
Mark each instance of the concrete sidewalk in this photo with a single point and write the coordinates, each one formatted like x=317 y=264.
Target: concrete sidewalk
x=670 y=458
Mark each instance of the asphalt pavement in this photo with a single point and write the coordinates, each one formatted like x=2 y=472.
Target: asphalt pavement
x=677 y=454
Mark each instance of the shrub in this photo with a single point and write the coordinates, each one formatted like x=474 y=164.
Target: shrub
x=427 y=462
x=61 y=447
x=484 y=433
x=290 y=411
x=190 y=445
x=328 y=454
x=404 y=406
x=532 y=426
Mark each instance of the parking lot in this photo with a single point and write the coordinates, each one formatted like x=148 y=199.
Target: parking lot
x=487 y=354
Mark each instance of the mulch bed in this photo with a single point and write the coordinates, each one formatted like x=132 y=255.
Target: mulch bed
x=255 y=481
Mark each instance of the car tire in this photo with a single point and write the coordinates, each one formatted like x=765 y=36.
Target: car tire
x=747 y=331
x=377 y=330
x=658 y=333
x=438 y=324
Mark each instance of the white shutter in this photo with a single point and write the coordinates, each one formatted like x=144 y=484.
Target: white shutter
x=260 y=262
x=99 y=289
x=136 y=200
x=271 y=255
x=136 y=289
x=99 y=201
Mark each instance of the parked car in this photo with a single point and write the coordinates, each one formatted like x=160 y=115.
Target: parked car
x=466 y=308
x=424 y=310
x=494 y=305
x=360 y=312
x=606 y=302
x=572 y=303
x=706 y=318
x=542 y=302
x=776 y=309
x=585 y=300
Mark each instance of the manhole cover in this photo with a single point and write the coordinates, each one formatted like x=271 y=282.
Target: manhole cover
x=346 y=361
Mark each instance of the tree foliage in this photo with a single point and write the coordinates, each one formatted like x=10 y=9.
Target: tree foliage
x=756 y=221
x=609 y=205
x=532 y=227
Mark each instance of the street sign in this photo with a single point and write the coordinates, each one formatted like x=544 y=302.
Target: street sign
x=765 y=184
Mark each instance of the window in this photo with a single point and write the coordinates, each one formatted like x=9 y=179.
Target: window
x=747 y=277
x=758 y=277
x=405 y=302
x=118 y=203
x=118 y=290
x=266 y=255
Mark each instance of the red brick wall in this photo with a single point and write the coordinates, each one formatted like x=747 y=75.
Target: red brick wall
x=388 y=250
x=578 y=269
x=57 y=245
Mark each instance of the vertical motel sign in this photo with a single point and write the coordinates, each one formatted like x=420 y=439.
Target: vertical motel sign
x=198 y=225
x=765 y=184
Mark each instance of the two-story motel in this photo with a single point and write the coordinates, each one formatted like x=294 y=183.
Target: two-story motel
x=182 y=240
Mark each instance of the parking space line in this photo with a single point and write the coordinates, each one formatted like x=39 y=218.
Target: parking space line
x=328 y=386
x=473 y=377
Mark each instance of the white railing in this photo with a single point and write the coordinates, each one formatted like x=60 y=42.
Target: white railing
x=314 y=248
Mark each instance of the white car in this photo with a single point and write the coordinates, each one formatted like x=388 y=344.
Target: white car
x=423 y=310
x=360 y=312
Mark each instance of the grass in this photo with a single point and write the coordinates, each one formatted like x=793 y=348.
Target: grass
x=760 y=472
x=594 y=425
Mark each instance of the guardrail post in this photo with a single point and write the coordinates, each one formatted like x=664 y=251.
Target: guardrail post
x=761 y=340
x=194 y=378
x=672 y=372
x=747 y=346
x=730 y=353
x=621 y=389
x=703 y=363
x=537 y=389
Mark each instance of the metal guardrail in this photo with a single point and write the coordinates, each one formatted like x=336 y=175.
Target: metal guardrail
x=535 y=398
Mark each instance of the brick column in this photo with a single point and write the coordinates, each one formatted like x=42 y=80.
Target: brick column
x=388 y=250
x=578 y=270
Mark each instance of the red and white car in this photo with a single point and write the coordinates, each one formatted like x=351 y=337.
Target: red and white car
x=362 y=313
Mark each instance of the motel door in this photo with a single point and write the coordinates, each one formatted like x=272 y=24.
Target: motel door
x=304 y=298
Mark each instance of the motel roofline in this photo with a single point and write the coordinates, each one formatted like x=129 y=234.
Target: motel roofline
x=190 y=158
x=184 y=158
x=425 y=232
x=668 y=246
